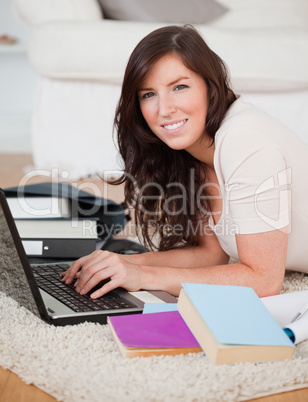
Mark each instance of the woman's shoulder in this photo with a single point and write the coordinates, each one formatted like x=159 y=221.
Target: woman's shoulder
x=247 y=125
x=244 y=113
x=242 y=125
x=245 y=138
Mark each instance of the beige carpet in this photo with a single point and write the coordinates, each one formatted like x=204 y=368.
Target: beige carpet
x=82 y=363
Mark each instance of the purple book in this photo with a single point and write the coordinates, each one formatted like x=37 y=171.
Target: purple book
x=156 y=330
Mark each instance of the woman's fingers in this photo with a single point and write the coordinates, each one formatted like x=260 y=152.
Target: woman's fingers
x=107 y=287
x=69 y=275
x=100 y=266
x=82 y=263
x=96 y=279
x=92 y=268
x=92 y=277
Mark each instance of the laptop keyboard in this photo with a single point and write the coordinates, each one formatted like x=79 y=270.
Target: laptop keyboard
x=48 y=279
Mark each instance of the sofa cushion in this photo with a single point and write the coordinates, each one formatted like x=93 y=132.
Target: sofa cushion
x=261 y=14
x=33 y=12
x=171 y=11
x=259 y=60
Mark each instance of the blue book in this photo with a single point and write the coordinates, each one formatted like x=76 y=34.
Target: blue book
x=149 y=308
x=232 y=325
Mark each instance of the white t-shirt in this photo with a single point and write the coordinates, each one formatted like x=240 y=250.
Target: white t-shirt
x=262 y=170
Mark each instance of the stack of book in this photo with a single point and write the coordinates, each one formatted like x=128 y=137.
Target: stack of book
x=231 y=324
x=47 y=229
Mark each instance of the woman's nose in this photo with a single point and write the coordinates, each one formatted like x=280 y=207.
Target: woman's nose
x=166 y=106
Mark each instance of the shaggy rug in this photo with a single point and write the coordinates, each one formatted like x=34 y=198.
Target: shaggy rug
x=82 y=363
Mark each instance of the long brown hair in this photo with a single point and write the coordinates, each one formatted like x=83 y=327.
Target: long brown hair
x=155 y=175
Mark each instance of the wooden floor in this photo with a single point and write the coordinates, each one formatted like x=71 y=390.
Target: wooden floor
x=12 y=388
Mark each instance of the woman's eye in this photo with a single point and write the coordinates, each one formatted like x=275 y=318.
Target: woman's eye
x=180 y=87
x=148 y=95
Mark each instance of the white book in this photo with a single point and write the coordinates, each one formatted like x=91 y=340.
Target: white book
x=284 y=307
x=39 y=207
x=57 y=228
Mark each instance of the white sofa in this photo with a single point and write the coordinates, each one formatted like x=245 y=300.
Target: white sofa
x=80 y=58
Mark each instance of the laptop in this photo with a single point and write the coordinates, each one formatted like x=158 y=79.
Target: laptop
x=38 y=287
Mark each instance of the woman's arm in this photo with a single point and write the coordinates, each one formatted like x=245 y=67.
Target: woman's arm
x=207 y=253
x=262 y=267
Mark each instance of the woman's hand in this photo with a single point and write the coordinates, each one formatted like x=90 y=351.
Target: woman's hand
x=99 y=266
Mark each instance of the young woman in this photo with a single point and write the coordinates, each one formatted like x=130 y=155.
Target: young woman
x=209 y=175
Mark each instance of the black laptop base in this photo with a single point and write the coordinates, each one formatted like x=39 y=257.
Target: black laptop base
x=40 y=289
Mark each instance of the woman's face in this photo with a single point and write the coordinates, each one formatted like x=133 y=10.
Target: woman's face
x=174 y=103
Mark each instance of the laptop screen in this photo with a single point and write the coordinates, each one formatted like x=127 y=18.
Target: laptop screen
x=13 y=280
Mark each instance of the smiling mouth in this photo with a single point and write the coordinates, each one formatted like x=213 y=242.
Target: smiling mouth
x=174 y=125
